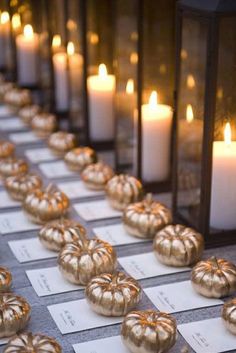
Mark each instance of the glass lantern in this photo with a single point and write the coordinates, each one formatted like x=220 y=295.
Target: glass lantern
x=144 y=63
x=205 y=122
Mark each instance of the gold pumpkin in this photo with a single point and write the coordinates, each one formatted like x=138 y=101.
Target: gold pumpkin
x=148 y=331
x=12 y=166
x=44 y=124
x=214 y=278
x=61 y=142
x=28 y=112
x=17 y=98
x=19 y=186
x=56 y=234
x=113 y=294
x=229 y=315
x=143 y=219
x=123 y=190
x=96 y=175
x=29 y=343
x=79 y=158
x=81 y=261
x=4 y=88
x=177 y=245
x=42 y=206
x=5 y=279
x=7 y=149
x=14 y=314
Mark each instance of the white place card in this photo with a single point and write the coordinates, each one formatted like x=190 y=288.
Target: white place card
x=105 y=345
x=208 y=336
x=26 y=250
x=5 y=111
x=48 y=281
x=96 y=210
x=77 y=316
x=21 y=138
x=115 y=234
x=7 y=201
x=38 y=155
x=12 y=124
x=4 y=340
x=77 y=190
x=170 y=299
x=146 y=265
x=15 y=222
x=56 y=169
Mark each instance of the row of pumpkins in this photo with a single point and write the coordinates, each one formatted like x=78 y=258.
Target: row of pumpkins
x=92 y=262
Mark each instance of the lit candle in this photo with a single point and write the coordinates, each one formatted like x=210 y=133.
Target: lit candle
x=156 y=140
x=61 y=87
x=223 y=200
x=75 y=62
x=101 y=90
x=27 y=46
x=56 y=43
x=4 y=38
x=16 y=23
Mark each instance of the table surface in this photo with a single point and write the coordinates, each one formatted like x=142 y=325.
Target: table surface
x=41 y=321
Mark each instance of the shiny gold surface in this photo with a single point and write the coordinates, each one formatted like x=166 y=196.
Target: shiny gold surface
x=4 y=88
x=177 y=245
x=28 y=112
x=214 y=278
x=12 y=166
x=29 y=343
x=7 y=149
x=61 y=142
x=95 y=176
x=5 y=279
x=143 y=219
x=229 y=315
x=123 y=190
x=44 y=124
x=148 y=331
x=42 y=206
x=56 y=234
x=113 y=294
x=79 y=262
x=14 y=314
x=79 y=158
x=18 y=186
x=16 y=98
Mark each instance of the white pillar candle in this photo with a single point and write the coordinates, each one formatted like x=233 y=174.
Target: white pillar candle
x=4 y=38
x=75 y=62
x=101 y=90
x=223 y=198
x=156 y=140
x=61 y=89
x=27 y=46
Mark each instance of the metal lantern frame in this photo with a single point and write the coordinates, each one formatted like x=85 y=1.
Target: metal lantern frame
x=209 y=12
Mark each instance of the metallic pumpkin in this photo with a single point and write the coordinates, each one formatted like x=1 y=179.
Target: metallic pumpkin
x=56 y=234
x=17 y=98
x=28 y=112
x=5 y=279
x=44 y=124
x=96 y=175
x=18 y=186
x=4 y=88
x=229 y=315
x=79 y=158
x=113 y=294
x=14 y=314
x=29 y=343
x=177 y=245
x=42 y=206
x=79 y=262
x=148 y=331
x=122 y=190
x=61 y=142
x=214 y=278
x=12 y=166
x=7 y=149
x=143 y=219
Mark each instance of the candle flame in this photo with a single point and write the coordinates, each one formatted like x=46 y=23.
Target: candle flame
x=191 y=81
x=227 y=134
x=102 y=70
x=153 y=99
x=56 y=41
x=130 y=86
x=70 y=48
x=5 y=18
x=28 y=31
x=189 y=113
x=133 y=58
x=16 y=21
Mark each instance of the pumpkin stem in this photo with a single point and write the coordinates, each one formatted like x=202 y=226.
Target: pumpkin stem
x=149 y=198
x=50 y=187
x=214 y=261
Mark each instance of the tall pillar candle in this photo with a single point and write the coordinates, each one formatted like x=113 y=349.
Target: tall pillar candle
x=223 y=200
x=101 y=89
x=27 y=46
x=61 y=89
x=156 y=140
x=4 y=38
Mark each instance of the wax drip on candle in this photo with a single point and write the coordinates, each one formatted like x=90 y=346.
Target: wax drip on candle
x=227 y=134
x=5 y=18
x=16 y=22
x=189 y=113
x=102 y=70
x=28 y=31
x=56 y=41
x=130 y=86
x=70 y=48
